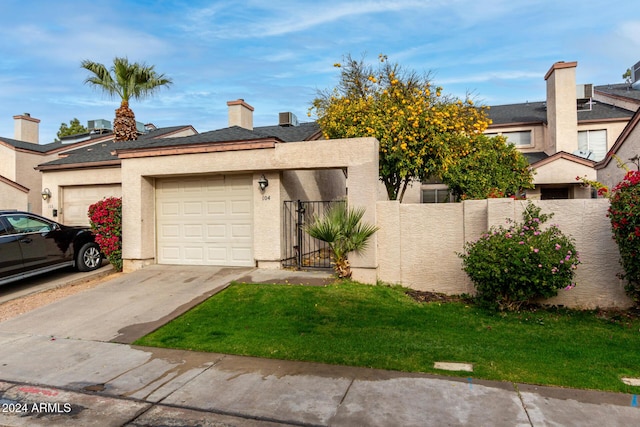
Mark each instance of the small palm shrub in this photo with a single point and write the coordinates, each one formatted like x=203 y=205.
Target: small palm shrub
x=624 y=214
x=344 y=232
x=514 y=265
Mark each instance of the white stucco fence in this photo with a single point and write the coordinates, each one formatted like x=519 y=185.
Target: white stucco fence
x=418 y=245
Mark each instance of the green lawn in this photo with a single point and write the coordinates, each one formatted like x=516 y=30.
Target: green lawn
x=381 y=327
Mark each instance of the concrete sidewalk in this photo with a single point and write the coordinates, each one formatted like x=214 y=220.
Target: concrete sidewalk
x=60 y=366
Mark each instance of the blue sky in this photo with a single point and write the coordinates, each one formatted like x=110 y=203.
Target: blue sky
x=276 y=54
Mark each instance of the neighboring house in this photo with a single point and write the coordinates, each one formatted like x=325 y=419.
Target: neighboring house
x=562 y=137
x=626 y=150
x=80 y=177
x=20 y=155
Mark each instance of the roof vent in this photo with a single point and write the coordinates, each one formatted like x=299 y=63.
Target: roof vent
x=100 y=124
x=287 y=119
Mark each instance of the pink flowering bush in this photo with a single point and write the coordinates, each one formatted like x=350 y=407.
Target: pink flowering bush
x=514 y=265
x=624 y=214
x=105 y=217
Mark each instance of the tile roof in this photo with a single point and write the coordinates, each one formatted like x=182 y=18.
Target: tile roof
x=622 y=90
x=536 y=112
x=102 y=151
x=302 y=132
x=533 y=157
x=47 y=148
x=105 y=151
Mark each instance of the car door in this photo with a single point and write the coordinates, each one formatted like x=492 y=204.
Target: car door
x=37 y=240
x=10 y=253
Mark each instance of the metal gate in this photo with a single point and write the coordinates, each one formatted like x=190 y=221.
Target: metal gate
x=302 y=250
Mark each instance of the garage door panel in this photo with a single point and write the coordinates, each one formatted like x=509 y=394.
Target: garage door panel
x=240 y=231
x=193 y=231
x=194 y=253
x=240 y=254
x=193 y=208
x=212 y=224
x=169 y=231
x=216 y=208
x=216 y=231
x=76 y=200
x=240 y=207
x=169 y=209
x=170 y=253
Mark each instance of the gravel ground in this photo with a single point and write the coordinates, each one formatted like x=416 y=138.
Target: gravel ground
x=18 y=306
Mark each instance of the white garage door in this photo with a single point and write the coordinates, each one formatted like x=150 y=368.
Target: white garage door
x=77 y=199
x=205 y=220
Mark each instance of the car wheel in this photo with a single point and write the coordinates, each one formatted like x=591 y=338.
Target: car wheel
x=88 y=257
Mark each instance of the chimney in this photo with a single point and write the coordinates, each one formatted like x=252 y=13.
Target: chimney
x=240 y=114
x=562 y=112
x=26 y=128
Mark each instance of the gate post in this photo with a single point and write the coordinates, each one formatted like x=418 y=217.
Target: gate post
x=299 y=233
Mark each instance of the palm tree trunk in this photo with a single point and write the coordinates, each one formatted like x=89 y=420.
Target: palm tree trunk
x=124 y=124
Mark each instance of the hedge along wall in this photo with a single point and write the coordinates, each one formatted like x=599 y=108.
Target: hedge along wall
x=417 y=245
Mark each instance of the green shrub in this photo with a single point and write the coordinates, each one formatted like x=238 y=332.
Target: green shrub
x=624 y=214
x=514 y=265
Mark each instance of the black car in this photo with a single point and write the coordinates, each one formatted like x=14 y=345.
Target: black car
x=31 y=244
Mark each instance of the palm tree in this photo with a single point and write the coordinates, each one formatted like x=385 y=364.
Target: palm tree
x=341 y=228
x=127 y=81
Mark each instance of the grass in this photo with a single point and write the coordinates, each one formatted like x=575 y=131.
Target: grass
x=381 y=327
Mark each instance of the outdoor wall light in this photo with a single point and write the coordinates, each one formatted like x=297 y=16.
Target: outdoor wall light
x=46 y=194
x=263 y=183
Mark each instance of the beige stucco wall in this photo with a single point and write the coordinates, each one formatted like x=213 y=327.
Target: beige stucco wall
x=55 y=180
x=314 y=185
x=29 y=177
x=562 y=171
x=8 y=162
x=417 y=245
x=612 y=174
x=359 y=156
x=12 y=197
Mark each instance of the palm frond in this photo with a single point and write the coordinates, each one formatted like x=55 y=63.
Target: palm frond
x=341 y=228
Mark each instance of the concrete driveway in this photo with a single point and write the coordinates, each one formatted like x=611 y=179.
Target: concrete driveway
x=136 y=301
x=131 y=305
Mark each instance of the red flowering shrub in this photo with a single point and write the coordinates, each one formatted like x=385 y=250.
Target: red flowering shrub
x=106 y=221
x=624 y=214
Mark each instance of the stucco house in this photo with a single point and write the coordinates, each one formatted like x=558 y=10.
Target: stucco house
x=215 y=197
x=24 y=187
x=20 y=184
x=561 y=137
x=626 y=150
x=79 y=177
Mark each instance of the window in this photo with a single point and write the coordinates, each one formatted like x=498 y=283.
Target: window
x=436 y=195
x=594 y=141
x=554 y=193
x=3 y=228
x=519 y=139
x=27 y=224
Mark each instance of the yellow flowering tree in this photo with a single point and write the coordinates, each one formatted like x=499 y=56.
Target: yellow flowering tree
x=421 y=131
